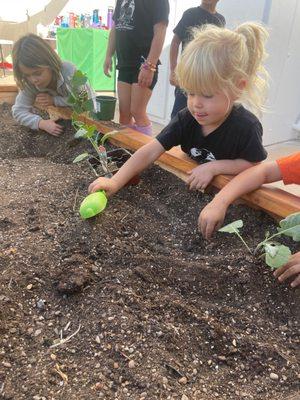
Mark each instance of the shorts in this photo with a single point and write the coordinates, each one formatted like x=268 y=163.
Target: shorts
x=130 y=75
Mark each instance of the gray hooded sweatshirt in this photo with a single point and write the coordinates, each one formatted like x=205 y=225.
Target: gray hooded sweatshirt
x=22 y=110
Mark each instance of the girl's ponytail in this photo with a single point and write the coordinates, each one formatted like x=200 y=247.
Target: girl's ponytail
x=255 y=36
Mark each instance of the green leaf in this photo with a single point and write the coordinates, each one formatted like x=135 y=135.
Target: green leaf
x=291 y=226
x=81 y=157
x=277 y=256
x=71 y=99
x=233 y=227
x=77 y=108
x=88 y=105
x=78 y=79
x=90 y=131
x=81 y=133
x=107 y=135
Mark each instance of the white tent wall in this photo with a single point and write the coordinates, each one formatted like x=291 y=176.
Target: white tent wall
x=283 y=63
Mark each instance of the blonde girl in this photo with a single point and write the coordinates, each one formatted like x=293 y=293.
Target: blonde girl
x=43 y=79
x=219 y=69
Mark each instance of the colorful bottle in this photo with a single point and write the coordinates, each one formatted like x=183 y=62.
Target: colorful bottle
x=110 y=12
x=95 y=17
x=72 y=20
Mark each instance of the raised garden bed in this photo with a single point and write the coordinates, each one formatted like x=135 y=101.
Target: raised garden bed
x=156 y=312
x=8 y=93
x=275 y=202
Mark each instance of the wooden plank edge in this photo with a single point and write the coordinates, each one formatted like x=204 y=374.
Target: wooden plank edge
x=8 y=88
x=274 y=201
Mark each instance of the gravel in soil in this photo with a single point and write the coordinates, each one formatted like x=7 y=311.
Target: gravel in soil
x=133 y=304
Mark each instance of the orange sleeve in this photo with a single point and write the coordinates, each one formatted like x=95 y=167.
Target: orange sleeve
x=290 y=168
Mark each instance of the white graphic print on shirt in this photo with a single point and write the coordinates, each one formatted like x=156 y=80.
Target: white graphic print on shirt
x=125 y=21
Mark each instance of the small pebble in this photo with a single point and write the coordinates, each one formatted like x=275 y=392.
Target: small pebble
x=183 y=380
x=131 y=364
x=274 y=376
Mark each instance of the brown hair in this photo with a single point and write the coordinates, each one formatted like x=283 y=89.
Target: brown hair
x=33 y=52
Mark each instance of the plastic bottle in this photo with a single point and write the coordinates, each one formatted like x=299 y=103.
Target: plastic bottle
x=95 y=17
x=72 y=20
x=110 y=12
x=87 y=21
x=65 y=23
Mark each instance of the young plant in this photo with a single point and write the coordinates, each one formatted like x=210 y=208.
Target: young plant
x=83 y=101
x=275 y=253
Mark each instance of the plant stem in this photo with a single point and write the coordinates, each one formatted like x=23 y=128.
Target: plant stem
x=242 y=240
x=271 y=237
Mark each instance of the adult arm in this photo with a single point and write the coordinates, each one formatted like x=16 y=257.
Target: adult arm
x=174 y=50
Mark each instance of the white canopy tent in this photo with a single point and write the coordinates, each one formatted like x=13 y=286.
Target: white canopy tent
x=26 y=17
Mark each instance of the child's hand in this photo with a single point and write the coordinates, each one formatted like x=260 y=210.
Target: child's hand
x=173 y=79
x=107 y=184
x=290 y=269
x=107 y=66
x=211 y=219
x=145 y=77
x=51 y=127
x=200 y=177
x=44 y=100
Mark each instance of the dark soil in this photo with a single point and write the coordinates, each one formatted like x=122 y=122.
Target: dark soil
x=155 y=311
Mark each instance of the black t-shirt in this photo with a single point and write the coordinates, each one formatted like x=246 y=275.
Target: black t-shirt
x=196 y=16
x=239 y=136
x=134 y=22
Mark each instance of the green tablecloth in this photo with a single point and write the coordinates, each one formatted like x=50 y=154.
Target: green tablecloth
x=86 y=48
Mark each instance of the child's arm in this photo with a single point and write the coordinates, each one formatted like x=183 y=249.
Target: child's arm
x=22 y=110
x=146 y=75
x=201 y=176
x=290 y=269
x=22 y=113
x=212 y=216
x=139 y=161
x=111 y=48
x=174 y=49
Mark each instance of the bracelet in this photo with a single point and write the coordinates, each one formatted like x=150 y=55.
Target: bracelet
x=147 y=65
x=147 y=68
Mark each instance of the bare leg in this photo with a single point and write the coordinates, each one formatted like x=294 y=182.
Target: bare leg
x=140 y=97
x=124 y=95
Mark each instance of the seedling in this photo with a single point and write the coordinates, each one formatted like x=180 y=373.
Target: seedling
x=275 y=254
x=80 y=101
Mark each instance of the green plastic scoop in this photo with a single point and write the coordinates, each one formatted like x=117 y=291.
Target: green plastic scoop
x=93 y=204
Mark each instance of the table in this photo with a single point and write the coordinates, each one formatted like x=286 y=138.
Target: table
x=4 y=42
x=86 y=48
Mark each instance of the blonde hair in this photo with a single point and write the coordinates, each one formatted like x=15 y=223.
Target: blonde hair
x=218 y=59
x=33 y=52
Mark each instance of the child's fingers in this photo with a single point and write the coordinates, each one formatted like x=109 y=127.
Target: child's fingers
x=293 y=270
x=296 y=282
x=96 y=185
x=282 y=269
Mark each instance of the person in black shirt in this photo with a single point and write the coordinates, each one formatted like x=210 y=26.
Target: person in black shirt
x=218 y=69
x=137 y=38
x=193 y=17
